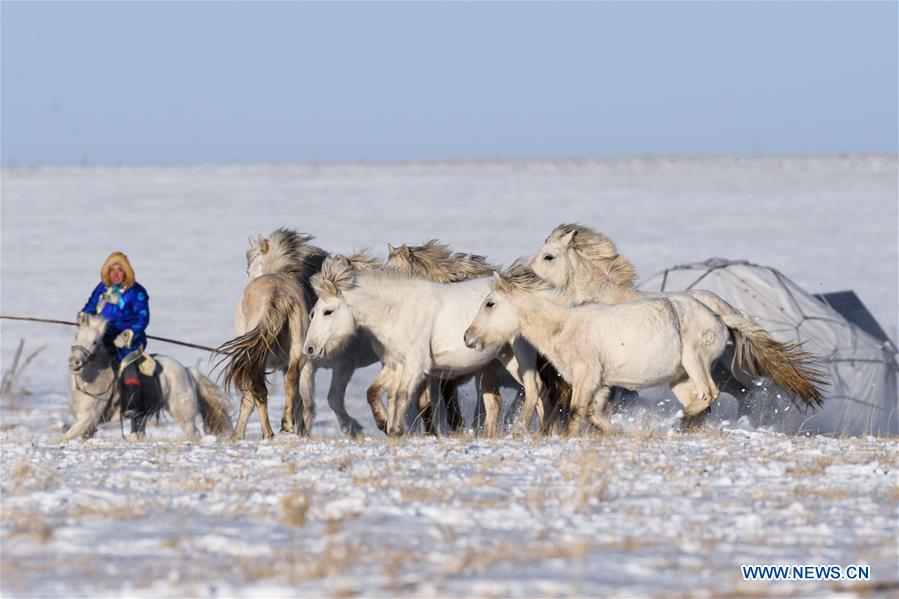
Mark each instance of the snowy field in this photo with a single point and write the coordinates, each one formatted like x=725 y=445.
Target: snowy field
x=648 y=511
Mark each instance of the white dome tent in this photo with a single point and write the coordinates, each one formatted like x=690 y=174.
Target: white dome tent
x=857 y=357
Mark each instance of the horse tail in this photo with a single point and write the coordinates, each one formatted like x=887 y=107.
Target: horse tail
x=789 y=366
x=247 y=354
x=213 y=406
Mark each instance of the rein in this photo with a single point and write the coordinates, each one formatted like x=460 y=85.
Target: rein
x=75 y=324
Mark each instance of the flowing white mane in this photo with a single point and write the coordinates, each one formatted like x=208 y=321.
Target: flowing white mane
x=286 y=252
x=519 y=277
x=437 y=262
x=599 y=252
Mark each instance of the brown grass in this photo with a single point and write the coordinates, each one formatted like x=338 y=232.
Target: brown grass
x=28 y=524
x=295 y=506
x=817 y=468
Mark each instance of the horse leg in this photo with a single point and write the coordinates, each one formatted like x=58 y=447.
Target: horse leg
x=688 y=395
x=524 y=362
x=582 y=392
x=598 y=411
x=373 y=394
x=409 y=390
x=698 y=371
x=304 y=410
x=340 y=378
x=426 y=409
x=84 y=427
x=246 y=408
x=449 y=391
x=558 y=405
x=492 y=399
x=291 y=379
x=262 y=407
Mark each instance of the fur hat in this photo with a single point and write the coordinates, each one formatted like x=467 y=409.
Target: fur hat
x=122 y=260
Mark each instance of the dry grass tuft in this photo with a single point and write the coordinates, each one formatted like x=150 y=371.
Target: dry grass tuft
x=295 y=507
x=28 y=524
x=109 y=512
x=479 y=560
x=817 y=468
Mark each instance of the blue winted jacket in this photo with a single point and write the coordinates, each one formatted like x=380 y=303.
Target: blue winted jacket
x=132 y=311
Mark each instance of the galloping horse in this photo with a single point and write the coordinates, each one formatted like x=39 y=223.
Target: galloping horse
x=637 y=344
x=418 y=326
x=587 y=267
x=271 y=321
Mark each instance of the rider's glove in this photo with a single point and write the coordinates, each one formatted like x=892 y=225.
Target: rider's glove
x=123 y=339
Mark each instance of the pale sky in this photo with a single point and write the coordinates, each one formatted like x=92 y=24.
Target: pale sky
x=182 y=83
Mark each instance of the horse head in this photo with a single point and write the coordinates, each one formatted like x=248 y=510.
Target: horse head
x=88 y=341
x=552 y=261
x=497 y=321
x=332 y=323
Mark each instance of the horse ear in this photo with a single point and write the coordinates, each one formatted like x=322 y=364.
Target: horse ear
x=568 y=238
x=263 y=245
x=498 y=282
x=391 y=250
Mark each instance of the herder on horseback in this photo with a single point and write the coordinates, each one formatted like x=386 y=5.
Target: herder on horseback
x=121 y=300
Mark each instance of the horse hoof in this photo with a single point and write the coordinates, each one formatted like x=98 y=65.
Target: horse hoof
x=695 y=408
x=519 y=432
x=353 y=431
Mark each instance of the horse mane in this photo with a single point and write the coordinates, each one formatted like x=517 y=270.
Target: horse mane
x=519 y=277
x=363 y=260
x=599 y=251
x=287 y=252
x=97 y=323
x=435 y=261
x=336 y=276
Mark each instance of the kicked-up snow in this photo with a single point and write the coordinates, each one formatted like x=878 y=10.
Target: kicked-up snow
x=650 y=510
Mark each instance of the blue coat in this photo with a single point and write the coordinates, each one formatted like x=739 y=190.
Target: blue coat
x=131 y=311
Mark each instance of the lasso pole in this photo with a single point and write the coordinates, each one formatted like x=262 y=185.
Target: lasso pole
x=75 y=324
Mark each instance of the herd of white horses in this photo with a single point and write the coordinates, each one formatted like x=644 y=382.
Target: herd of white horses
x=566 y=327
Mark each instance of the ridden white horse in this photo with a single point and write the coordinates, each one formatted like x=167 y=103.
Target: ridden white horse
x=95 y=396
x=418 y=325
x=637 y=344
x=587 y=267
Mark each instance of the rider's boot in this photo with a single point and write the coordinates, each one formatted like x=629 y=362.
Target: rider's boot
x=132 y=396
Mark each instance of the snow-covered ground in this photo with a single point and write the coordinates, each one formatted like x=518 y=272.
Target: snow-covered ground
x=648 y=511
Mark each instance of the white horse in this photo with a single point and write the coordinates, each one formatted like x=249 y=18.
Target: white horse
x=95 y=397
x=638 y=344
x=418 y=325
x=291 y=257
x=587 y=267
x=436 y=261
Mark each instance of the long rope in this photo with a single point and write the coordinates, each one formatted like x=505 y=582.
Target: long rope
x=75 y=324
